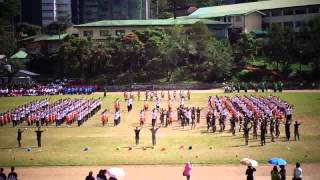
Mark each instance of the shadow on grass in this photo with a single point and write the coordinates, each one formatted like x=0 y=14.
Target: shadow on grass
x=7 y=148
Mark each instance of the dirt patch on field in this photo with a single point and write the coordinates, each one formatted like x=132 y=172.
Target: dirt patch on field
x=220 y=172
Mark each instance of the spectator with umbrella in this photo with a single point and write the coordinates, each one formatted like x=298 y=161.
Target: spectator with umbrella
x=115 y=173
x=282 y=172
x=250 y=170
x=275 y=173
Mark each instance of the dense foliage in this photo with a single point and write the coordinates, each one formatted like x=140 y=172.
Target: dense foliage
x=153 y=54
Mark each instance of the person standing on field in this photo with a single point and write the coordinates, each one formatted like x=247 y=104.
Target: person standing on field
x=137 y=135
x=297 y=172
x=187 y=170
x=153 y=135
x=19 y=136
x=296 y=131
x=39 y=134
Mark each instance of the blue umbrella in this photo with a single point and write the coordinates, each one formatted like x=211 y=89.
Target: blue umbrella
x=277 y=161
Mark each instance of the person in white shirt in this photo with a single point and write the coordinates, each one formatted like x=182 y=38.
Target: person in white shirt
x=154 y=117
x=297 y=172
x=129 y=104
x=158 y=103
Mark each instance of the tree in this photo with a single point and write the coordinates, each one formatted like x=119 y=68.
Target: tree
x=310 y=44
x=26 y=30
x=8 y=10
x=245 y=48
x=281 y=46
x=74 y=58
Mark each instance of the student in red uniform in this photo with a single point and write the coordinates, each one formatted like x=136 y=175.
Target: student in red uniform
x=146 y=106
x=142 y=118
x=104 y=117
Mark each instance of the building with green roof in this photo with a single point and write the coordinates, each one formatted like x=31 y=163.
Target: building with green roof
x=98 y=31
x=43 y=43
x=247 y=17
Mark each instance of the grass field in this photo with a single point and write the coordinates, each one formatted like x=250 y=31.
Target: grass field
x=65 y=146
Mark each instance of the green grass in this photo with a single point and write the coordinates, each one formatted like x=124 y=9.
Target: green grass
x=64 y=146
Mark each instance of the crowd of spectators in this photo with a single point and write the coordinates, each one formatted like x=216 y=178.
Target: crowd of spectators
x=53 y=88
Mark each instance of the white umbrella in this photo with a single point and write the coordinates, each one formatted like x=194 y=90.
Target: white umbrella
x=249 y=162
x=116 y=172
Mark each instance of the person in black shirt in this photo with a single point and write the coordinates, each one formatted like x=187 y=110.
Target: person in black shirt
x=137 y=135
x=249 y=172
x=296 y=131
x=90 y=177
x=2 y=175
x=153 y=133
x=12 y=175
x=39 y=133
x=246 y=129
x=19 y=136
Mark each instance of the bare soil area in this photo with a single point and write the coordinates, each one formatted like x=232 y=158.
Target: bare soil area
x=146 y=172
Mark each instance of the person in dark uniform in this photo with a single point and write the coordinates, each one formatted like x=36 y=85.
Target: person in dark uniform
x=263 y=133
x=249 y=172
x=287 y=129
x=39 y=133
x=153 y=134
x=272 y=125
x=137 y=135
x=296 y=131
x=12 y=174
x=104 y=92
x=277 y=124
x=233 y=125
x=255 y=128
x=198 y=114
x=19 y=136
x=246 y=129
x=90 y=176
x=2 y=175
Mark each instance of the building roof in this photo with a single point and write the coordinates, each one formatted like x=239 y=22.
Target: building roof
x=149 y=22
x=228 y=10
x=55 y=37
x=19 y=55
x=26 y=73
x=45 y=37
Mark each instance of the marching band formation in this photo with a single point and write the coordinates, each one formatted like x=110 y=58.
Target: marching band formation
x=41 y=112
x=249 y=114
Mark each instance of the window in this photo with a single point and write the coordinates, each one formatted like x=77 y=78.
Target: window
x=299 y=24
x=267 y=13
x=229 y=19
x=87 y=33
x=276 y=13
x=238 y=18
x=301 y=11
x=313 y=10
x=288 y=24
x=279 y=24
x=47 y=18
x=120 y=32
x=287 y=12
x=265 y=26
x=104 y=33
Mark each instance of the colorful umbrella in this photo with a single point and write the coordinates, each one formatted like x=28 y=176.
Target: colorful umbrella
x=277 y=161
x=116 y=172
x=249 y=162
